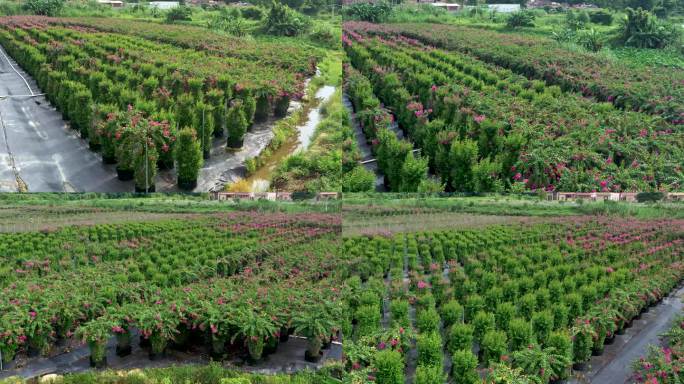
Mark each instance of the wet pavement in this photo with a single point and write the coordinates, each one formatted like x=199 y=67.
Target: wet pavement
x=363 y=146
x=38 y=151
x=614 y=366
x=288 y=358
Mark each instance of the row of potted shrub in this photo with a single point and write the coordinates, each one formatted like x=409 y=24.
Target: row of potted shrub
x=79 y=86
x=39 y=309
x=591 y=304
x=459 y=112
x=644 y=90
x=402 y=169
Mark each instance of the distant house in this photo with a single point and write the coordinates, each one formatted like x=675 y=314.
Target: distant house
x=504 y=8
x=675 y=196
x=326 y=196
x=112 y=3
x=544 y=4
x=163 y=4
x=449 y=7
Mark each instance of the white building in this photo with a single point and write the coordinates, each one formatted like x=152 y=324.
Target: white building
x=504 y=8
x=449 y=7
x=164 y=4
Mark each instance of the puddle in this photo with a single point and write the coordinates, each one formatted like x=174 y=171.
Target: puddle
x=306 y=131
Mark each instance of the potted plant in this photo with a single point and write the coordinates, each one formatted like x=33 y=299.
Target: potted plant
x=254 y=328
x=237 y=125
x=122 y=330
x=96 y=333
x=10 y=341
x=282 y=103
x=583 y=340
x=546 y=363
x=159 y=326
x=189 y=158
x=38 y=332
x=316 y=326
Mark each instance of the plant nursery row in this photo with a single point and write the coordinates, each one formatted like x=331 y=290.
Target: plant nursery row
x=483 y=128
x=147 y=105
x=524 y=303
x=230 y=283
x=628 y=87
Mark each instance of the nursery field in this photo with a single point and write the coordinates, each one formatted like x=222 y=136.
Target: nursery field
x=485 y=111
x=229 y=284
x=507 y=301
x=153 y=97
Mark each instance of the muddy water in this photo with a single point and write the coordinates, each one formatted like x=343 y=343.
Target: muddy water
x=306 y=130
x=225 y=165
x=259 y=181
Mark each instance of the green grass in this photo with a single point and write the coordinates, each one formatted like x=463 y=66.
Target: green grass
x=157 y=202
x=518 y=205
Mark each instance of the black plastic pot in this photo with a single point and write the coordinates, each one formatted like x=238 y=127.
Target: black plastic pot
x=609 y=340
x=234 y=142
x=579 y=366
x=270 y=347
x=165 y=165
x=312 y=359
x=156 y=356
x=98 y=364
x=109 y=159
x=144 y=343
x=326 y=345
x=206 y=154
x=123 y=351
x=32 y=352
x=597 y=352
x=142 y=190
x=94 y=146
x=284 y=335
x=124 y=174
x=187 y=185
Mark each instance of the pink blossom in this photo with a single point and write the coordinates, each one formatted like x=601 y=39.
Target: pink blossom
x=479 y=118
x=422 y=284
